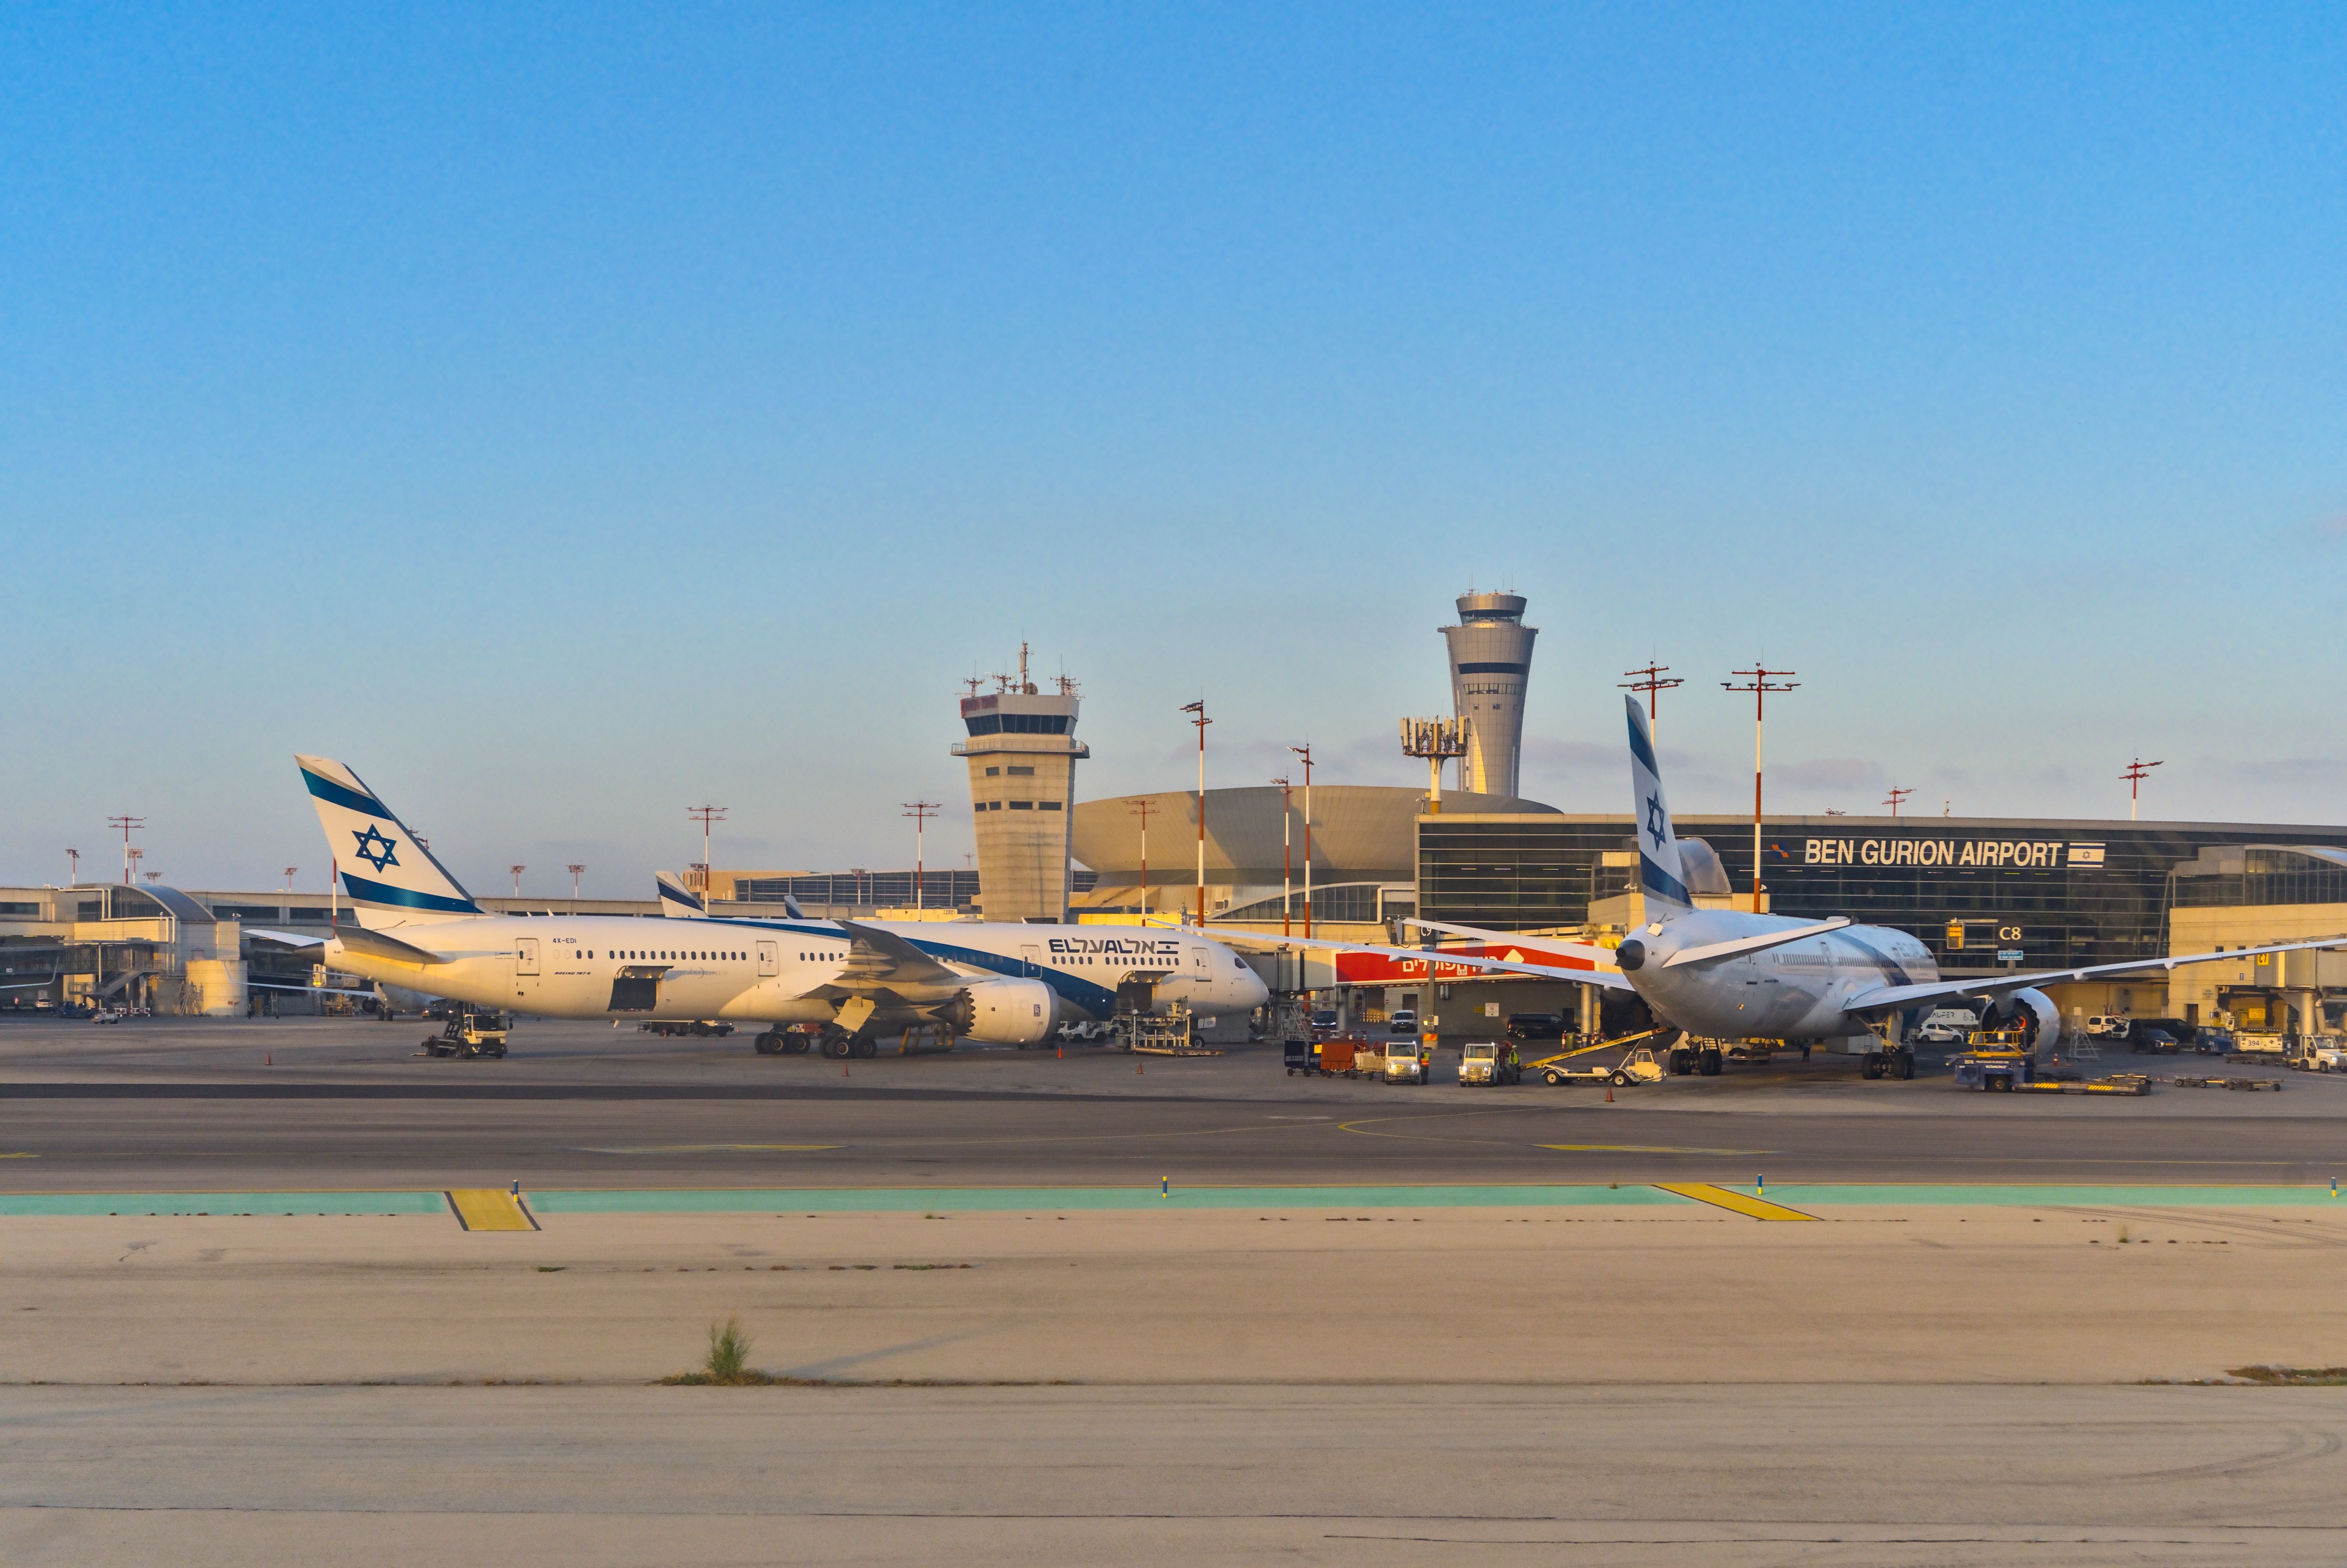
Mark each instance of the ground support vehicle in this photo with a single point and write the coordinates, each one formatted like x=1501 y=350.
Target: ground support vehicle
x=1368 y=1058
x=1997 y=1061
x=1409 y=1064
x=2320 y=1054
x=1300 y=1056
x=698 y=1028
x=1489 y=1062
x=1403 y=1021
x=2133 y=1084
x=1637 y=1066
x=2259 y=1048
x=470 y=1034
x=2250 y=1084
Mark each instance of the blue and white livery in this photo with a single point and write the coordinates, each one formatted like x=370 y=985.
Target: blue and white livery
x=413 y=925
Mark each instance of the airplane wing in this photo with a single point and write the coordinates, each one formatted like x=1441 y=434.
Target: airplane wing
x=1881 y=998
x=310 y=990
x=883 y=958
x=1613 y=980
x=289 y=939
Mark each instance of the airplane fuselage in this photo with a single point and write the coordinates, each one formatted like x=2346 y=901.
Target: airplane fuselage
x=784 y=972
x=1794 y=992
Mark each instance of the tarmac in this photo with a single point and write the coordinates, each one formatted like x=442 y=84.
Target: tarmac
x=1023 y=1305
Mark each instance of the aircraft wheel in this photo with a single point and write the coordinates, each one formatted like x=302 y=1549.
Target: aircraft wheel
x=835 y=1044
x=864 y=1045
x=795 y=1045
x=1682 y=1061
x=1710 y=1061
x=1870 y=1067
x=765 y=1044
x=1906 y=1065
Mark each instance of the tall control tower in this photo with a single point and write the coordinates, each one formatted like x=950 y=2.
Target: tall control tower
x=1022 y=753
x=1491 y=659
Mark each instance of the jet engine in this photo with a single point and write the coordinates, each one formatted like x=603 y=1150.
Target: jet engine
x=1003 y=1013
x=2034 y=1012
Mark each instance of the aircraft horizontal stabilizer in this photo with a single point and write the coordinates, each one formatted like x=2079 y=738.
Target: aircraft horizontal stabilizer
x=1610 y=979
x=376 y=945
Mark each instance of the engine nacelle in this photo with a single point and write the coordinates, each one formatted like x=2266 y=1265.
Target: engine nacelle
x=2034 y=1011
x=1004 y=1012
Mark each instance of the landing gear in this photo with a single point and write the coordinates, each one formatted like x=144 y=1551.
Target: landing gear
x=1898 y=1062
x=1710 y=1061
x=768 y=1043
x=1682 y=1061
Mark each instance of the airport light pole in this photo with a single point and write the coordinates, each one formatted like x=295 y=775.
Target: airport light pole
x=705 y=815
x=574 y=870
x=1650 y=681
x=1286 y=878
x=517 y=871
x=920 y=811
x=289 y=877
x=2137 y=772
x=130 y=877
x=1759 y=685
x=1304 y=752
x=1896 y=796
x=127 y=824
x=1198 y=708
x=73 y=866
x=1143 y=808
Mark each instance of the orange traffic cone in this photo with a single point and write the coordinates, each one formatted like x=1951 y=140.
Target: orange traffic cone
x=1609 y=1094
x=843 y=1069
x=269 y=1059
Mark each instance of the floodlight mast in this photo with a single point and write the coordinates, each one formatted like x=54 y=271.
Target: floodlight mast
x=1895 y=798
x=705 y=815
x=920 y=811
x=1144 y=809
x=1759 y=685
x=2137 y=772
x=1198 y=709
x=1650 y=681
x=1304 y=752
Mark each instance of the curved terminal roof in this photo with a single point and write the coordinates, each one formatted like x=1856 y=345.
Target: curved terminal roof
x=1361 y=832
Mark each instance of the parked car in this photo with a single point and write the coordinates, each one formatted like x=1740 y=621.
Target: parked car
x=1323 y=1023
x=2152 y=1042
x=2106 y=1027
x=1404 y=1021
x=1947 y=1026
x=1535 y=1026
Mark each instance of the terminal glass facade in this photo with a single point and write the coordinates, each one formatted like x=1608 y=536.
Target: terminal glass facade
x=1975 y=890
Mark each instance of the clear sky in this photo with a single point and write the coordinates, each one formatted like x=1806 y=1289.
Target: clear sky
x=568 y=414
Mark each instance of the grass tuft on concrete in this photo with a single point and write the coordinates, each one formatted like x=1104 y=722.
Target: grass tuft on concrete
x=727 y=1365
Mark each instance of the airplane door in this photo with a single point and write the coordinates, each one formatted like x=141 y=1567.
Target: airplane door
x=1198 y=963
x=526 y=955
x=1030 y=960
x=769 y=958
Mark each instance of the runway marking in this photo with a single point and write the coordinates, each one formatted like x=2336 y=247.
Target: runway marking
x=19 y=1156
x=1646 y=1149
x=1014 y=1200
x=341 y=1205
x=1739 y=1203
x=705 y=1149
x=487 y=1208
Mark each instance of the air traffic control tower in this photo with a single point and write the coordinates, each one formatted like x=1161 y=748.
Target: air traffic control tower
x=1022 y=751
x=1491 y=659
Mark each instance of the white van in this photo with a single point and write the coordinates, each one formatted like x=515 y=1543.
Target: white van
x=1947 y=1026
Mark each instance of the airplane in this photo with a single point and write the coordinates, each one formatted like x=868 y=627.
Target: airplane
x=1721 y=975
x=996 y=983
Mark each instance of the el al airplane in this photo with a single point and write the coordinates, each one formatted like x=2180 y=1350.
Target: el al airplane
x=996 y=983
x=1723 y=975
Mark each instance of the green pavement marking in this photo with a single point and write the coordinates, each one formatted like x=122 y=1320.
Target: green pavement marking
x=16 y=1204
x=864 y=1200
x=1803 y=1195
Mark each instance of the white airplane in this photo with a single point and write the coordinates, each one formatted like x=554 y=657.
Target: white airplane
x=1000 y=983
x=1723 y=975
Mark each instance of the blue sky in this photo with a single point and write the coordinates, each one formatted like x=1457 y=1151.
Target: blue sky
x=566 y=415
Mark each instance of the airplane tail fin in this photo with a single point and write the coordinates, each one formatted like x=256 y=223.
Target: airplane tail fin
x=676 y=900
x=391 y=878
x=1661 y=878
